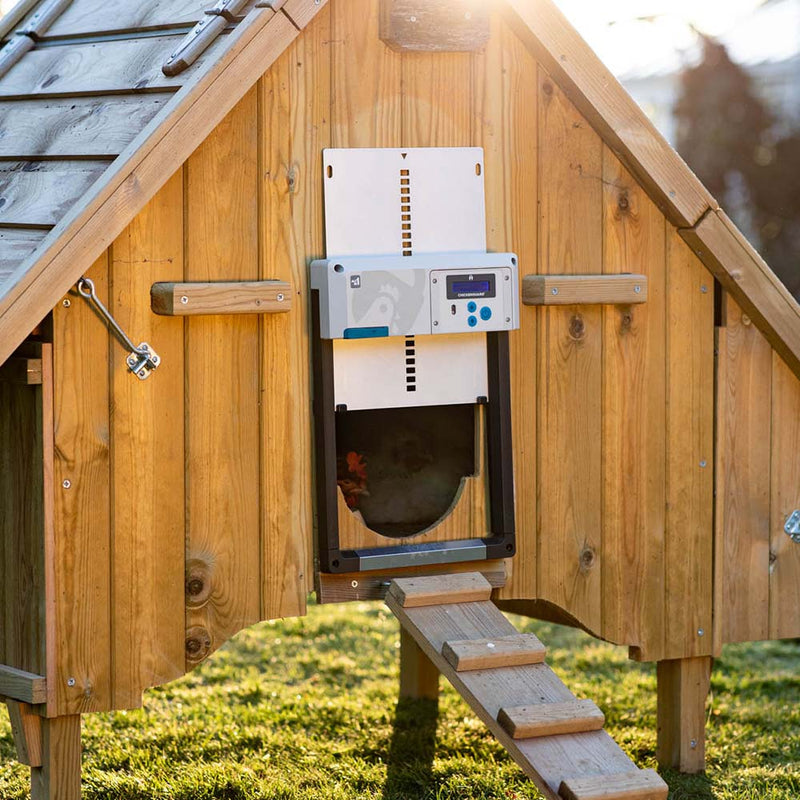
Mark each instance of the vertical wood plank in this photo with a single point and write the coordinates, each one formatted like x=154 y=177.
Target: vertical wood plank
x=82 y=524
x=366 y=81
x=59 y=777
x=295 y=110
x=505 y=125
x=419 y=678
x=570 y=381
x=222 y=389
x=634 y=403
x=147 y=459
x=690 y=452
x=744 y=415
x=784 y=591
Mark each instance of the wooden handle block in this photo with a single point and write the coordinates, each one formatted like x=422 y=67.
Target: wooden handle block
x=26 y=371
x=551 y=719
x=435 y=590
x=570 y=290
x=642 y=785
x=517 y=650
x=195 y=299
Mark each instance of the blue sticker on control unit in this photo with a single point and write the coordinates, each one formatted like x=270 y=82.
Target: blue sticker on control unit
x=366 y=333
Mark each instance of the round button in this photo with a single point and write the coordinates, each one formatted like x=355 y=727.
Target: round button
x=472 y=307
x=486 y=313
x=472 y=322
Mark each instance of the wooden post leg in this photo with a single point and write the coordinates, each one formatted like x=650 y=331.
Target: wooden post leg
x=419 y=678
x=683 y=687
x=26 y=725
x=59 y=777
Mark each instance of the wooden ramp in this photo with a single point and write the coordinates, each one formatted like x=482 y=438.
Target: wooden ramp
x=556 y=739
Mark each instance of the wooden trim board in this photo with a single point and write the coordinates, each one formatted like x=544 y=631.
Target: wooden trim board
x=571 y=290
x=23 y=686
x=196 y=299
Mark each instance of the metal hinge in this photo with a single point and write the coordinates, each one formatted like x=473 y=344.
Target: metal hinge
x=792 y=527
x=142 y=360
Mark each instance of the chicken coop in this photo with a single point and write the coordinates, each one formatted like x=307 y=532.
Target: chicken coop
x=377 y=299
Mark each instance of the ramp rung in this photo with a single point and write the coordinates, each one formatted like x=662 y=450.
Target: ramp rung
x=551 y=719
x=436 y=590
x=517 y=650
x=642 y=785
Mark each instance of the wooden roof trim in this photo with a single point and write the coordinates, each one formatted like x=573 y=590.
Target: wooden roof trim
x=741 y=271
x=16 y=15
x=147 y=163
x=610 y=109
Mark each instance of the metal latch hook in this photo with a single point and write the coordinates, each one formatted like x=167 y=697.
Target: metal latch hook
x=142 y=360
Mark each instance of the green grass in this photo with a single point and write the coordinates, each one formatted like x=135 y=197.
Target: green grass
x=308 y=709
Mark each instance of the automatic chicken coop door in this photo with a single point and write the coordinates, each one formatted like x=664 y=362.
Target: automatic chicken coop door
x=411 y=318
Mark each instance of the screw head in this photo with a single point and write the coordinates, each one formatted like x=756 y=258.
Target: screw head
x=554 y=290
x=184 y=300
x=279 y=298
x=704 y=289
x=701 y=632
x=70 y=682
x=435 y=324
x=693 y=744
x=703 y=463
x=354 y=584
x=637 y=289
x=66 y=483
x=413 y=19
x=435 y=280
x=67 y=302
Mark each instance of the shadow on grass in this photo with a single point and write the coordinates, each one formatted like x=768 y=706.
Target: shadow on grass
x=409 y=772
x=688 y=787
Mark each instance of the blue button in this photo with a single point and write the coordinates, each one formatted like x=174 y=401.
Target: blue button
x=472 y=307
x=472 y=322
x=486 y=313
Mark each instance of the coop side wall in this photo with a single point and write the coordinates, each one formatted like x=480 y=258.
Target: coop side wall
x=188 y=512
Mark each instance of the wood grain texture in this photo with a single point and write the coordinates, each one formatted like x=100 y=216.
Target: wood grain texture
x=160 y=149
x=301 y=12
x=683 y=687
x=439 y=26
x=545 y=760
x=419 y=678
x=217 y=298
x=690 y=452
x=76 y=126
x=104 y=16
x=505 y=87
x=570 y=379
x=41 y=193
x=432 y=590
x=551 y=719
x=784 y=570
x=610 y=109
x=60 y=773
x=752 y=284
x=634 y=411
x=641 y=785
x=565 y=290
x=20 y=685
x=15 y=246
x=505 y=651
x=222 y=380
x=147 y=459
x=26 y=727
x=744 y=446
x=25 y=489
x=366 y=96
x=82 y=548
x=124 y=65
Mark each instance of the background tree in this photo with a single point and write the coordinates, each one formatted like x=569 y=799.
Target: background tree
x=726 y=134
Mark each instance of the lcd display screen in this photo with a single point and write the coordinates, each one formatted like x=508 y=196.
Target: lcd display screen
x=462 y=287
x=471 y=287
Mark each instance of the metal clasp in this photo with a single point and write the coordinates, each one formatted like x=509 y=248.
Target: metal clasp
x=792 y=527
x=142 y=359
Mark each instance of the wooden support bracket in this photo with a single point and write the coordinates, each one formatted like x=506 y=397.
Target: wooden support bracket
x=194 y=299
x=570 y=290
x=26 y=725
x=456 y=26
x=25 y=371
x=23 y=686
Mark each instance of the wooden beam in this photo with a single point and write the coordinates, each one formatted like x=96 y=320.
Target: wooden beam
x=642 y=785
x=26 y=725
x=419 y=678
x=571 y=290
x=609 y=109
x=195 y=299
x=59 y=776
x=23 y=686
x=442 y=26
x=25 y=371
x=750 y=281
x=551 y=719
x=683 y=686
x=505 y=651
x=440 y=590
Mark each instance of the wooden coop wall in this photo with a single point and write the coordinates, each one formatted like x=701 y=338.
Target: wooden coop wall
x=187 y=515
x=758 y=486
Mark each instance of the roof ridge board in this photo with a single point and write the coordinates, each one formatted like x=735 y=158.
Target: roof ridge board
x=16 y=15
x=90 y=227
